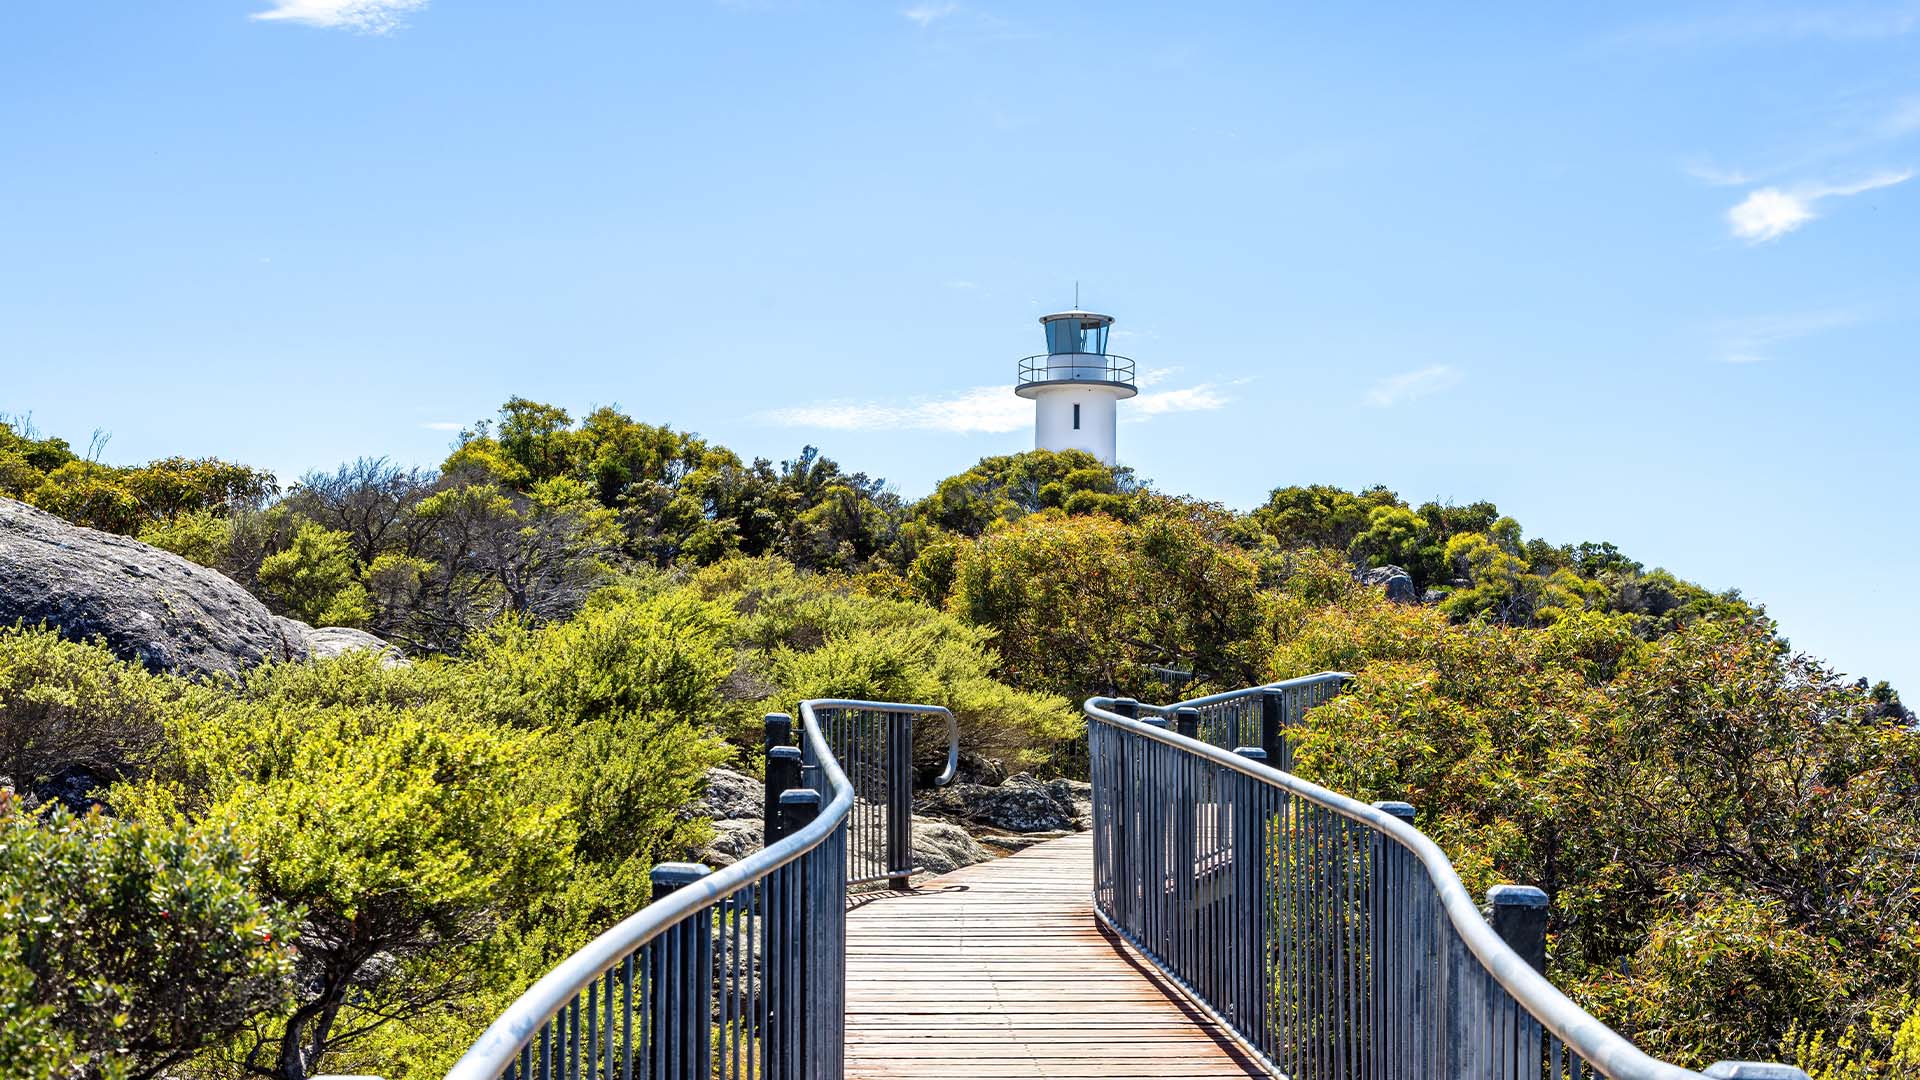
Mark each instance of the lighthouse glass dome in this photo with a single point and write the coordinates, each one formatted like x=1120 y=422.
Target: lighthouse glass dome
x=1077 y=332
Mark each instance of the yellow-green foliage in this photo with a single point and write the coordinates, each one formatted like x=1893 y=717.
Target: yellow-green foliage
x=409 y=832
x=443 y=831
x=1085 y=605
x=200 y=535
x=47 y=473
x=806 y=636
x=317 y=580
x=1726 y=831
x=68 y=703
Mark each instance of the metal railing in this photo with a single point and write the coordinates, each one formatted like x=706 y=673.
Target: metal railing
x=1262 y=715
x=741 y=972
x=875 y=748
x=1333 y=939
x=1076 y=367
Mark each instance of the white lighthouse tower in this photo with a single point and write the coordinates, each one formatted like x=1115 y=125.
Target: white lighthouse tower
x=1076 y=385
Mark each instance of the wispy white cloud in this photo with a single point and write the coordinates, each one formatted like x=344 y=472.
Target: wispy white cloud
x=983 y=408
x=443 y=425
x=1752 y=340
x=1202 y=398
x=1770 y=212
x=928 y=13
x=990 y=409
x=359 y=16
x=1412 y=385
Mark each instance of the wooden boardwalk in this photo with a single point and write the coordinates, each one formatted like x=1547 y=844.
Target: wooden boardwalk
x=1001 y=970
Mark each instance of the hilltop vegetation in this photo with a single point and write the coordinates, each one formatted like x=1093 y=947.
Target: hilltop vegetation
x=600 y=610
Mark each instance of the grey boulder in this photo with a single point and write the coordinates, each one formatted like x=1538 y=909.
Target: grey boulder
x=1021 y=804
x=145 y=604
x=732 y=795
x=1397 y=582
x=733 y=839
x=327 y=642
x=942 y=846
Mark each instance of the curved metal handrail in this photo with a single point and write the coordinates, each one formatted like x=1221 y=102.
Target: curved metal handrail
x=1600 y=1045
x=1225 y=696
x=494 y=1052
x=1080 y=367
x=953 y=746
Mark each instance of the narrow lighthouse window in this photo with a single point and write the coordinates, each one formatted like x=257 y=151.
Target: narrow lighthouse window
x=1076 y=416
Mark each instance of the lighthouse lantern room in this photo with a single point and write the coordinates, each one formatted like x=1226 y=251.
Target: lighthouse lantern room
x=1076 y=385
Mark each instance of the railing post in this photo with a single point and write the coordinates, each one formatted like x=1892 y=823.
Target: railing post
x=1396 y=1034
x=797 y=808
x=681 y=978
x=1273 y=722
x=784 y=765
x=1520 y=918
x=779 y=729
x=1126 y=707
x=1186 y=879
x=1254 y=980
x=899 y=799
x=1401 y=810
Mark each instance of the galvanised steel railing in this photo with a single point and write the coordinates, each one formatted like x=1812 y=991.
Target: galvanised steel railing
x=1331 y=937
x=737 y=973
x=1262 y=715
x=875 y=748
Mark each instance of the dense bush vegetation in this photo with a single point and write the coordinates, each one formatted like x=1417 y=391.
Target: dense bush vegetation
x=600 y=611
x=1727 y=832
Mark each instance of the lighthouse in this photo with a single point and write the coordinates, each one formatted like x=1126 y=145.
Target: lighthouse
x=1076 y=385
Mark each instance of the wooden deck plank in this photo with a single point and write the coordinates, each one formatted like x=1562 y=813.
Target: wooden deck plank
x=1001 y=970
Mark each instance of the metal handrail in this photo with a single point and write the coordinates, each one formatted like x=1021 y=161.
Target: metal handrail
x=880 y=766
x=1099 y=367
x=1598 y=1045
x=1259 y=715
x=953 y=746
x=782 y=879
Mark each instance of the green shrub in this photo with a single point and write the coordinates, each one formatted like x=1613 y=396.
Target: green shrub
x=407 y=837
x=805 y=636
x=127 y=947
x=199 y=535
x=317 y=580
x=66 y=703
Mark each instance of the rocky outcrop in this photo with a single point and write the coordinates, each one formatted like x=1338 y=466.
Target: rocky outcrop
x=1397 y=582
x=148 y=605
x=145 y=604
x=327 y=642
x=731 y=795
x=1022 y=805
x=733 y=839
x=941 y=846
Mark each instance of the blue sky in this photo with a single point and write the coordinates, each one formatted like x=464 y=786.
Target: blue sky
x=1645 y=274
